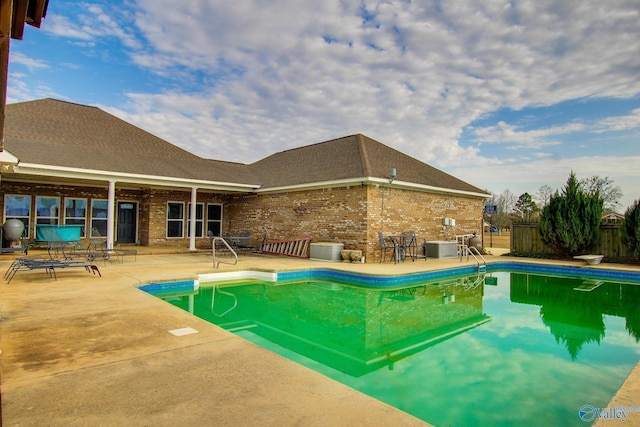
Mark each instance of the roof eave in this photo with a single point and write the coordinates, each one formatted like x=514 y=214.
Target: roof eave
x=314 y=185
x=367 y=180
x=7 y=157
x=130 y=178
x=432 y=189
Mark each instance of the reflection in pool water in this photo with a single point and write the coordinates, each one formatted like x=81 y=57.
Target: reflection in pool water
x=530 y=350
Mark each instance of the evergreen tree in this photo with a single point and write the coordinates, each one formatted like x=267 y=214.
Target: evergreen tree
x=630 y=229
x=570 y=222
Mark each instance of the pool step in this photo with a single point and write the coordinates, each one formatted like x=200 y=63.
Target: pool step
x=589 y=286
x=242 y=328
x=240 y=325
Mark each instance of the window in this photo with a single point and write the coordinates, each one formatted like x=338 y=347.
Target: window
x=214 y=219
x=175 y=219
x=47 y=209
x=199 y=220
x=99 y=209
x=18 y=207
x=75 y=213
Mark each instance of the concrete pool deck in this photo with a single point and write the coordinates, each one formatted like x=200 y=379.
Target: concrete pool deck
x=85 y=350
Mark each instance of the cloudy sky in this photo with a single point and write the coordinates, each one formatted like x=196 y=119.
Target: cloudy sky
x=503 y=94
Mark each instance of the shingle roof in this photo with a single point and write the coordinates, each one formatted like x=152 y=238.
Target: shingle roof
x=354 y=156
x=59 y=133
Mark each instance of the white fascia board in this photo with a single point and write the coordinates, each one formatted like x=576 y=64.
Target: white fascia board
x=431 y=189
x=7 y=157
x=129 y=178
x=368 y=181
x=315 y=185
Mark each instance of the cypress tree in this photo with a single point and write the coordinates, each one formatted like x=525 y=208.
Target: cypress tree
x=570 y=223
x=630 y=230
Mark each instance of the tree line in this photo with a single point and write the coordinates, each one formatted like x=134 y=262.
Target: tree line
x=527 y=207
x=568 y=219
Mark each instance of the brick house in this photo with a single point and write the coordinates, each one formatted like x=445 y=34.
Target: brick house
x=66 y=163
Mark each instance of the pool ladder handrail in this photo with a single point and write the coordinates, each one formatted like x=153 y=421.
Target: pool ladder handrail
x=213 y=250
x=213 y=301
x=479 y=280
x=470 y=250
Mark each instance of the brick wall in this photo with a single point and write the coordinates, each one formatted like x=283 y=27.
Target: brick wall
x=350 y=215
x=327 y=215
x=152 y=207
x=393 y=211
x=61 y=191
x=154 y=214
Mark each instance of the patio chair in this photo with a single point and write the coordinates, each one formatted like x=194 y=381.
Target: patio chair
x=97 y=248
x=49 y=265
x=386 y=244
x=409 y=245
x=240 y=241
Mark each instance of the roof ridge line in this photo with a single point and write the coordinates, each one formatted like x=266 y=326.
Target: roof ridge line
x=364 y=155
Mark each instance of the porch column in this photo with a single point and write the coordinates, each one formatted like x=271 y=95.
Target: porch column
x=111 y=209
x=192 y=220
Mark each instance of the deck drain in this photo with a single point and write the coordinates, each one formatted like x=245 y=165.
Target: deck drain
x=183 y=331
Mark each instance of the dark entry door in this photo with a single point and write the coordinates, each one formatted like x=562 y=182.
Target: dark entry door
x=127 y=215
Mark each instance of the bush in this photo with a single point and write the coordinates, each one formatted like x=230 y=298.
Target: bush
x=570 y=223
x=630 y=229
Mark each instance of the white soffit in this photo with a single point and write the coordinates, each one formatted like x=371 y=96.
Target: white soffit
x=129 y=178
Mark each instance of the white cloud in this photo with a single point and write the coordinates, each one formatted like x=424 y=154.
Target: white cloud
x=618 y=123
x=246 y=79
x=412 y=76
x=530 y=176
x=504 y=133
x=91 y=24
x=62 y=26
x=31 y=63
x=509 y=134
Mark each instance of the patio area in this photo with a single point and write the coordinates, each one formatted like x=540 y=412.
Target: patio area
x=95 y=350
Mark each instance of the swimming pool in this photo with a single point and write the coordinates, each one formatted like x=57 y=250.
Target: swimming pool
x=524 y=344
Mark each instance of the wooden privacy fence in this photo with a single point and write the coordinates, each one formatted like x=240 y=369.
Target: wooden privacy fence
x=525 y=238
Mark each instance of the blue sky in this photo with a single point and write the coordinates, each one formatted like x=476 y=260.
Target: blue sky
x=507 y=95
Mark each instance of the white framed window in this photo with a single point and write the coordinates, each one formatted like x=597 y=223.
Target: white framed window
x=214 y=219
x=175 y=219
x=199 y=219
x=47 y=210
x=75 y=213
x=18 y=207
x=99 y=211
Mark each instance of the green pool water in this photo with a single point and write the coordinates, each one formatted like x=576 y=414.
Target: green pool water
x=509 y=349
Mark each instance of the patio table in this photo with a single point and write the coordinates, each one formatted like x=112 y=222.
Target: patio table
x=407 y=245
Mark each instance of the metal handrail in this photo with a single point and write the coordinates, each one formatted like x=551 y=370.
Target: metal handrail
x=213 y=301
x=470 y=250
x=213 y=250
x=479 y=280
